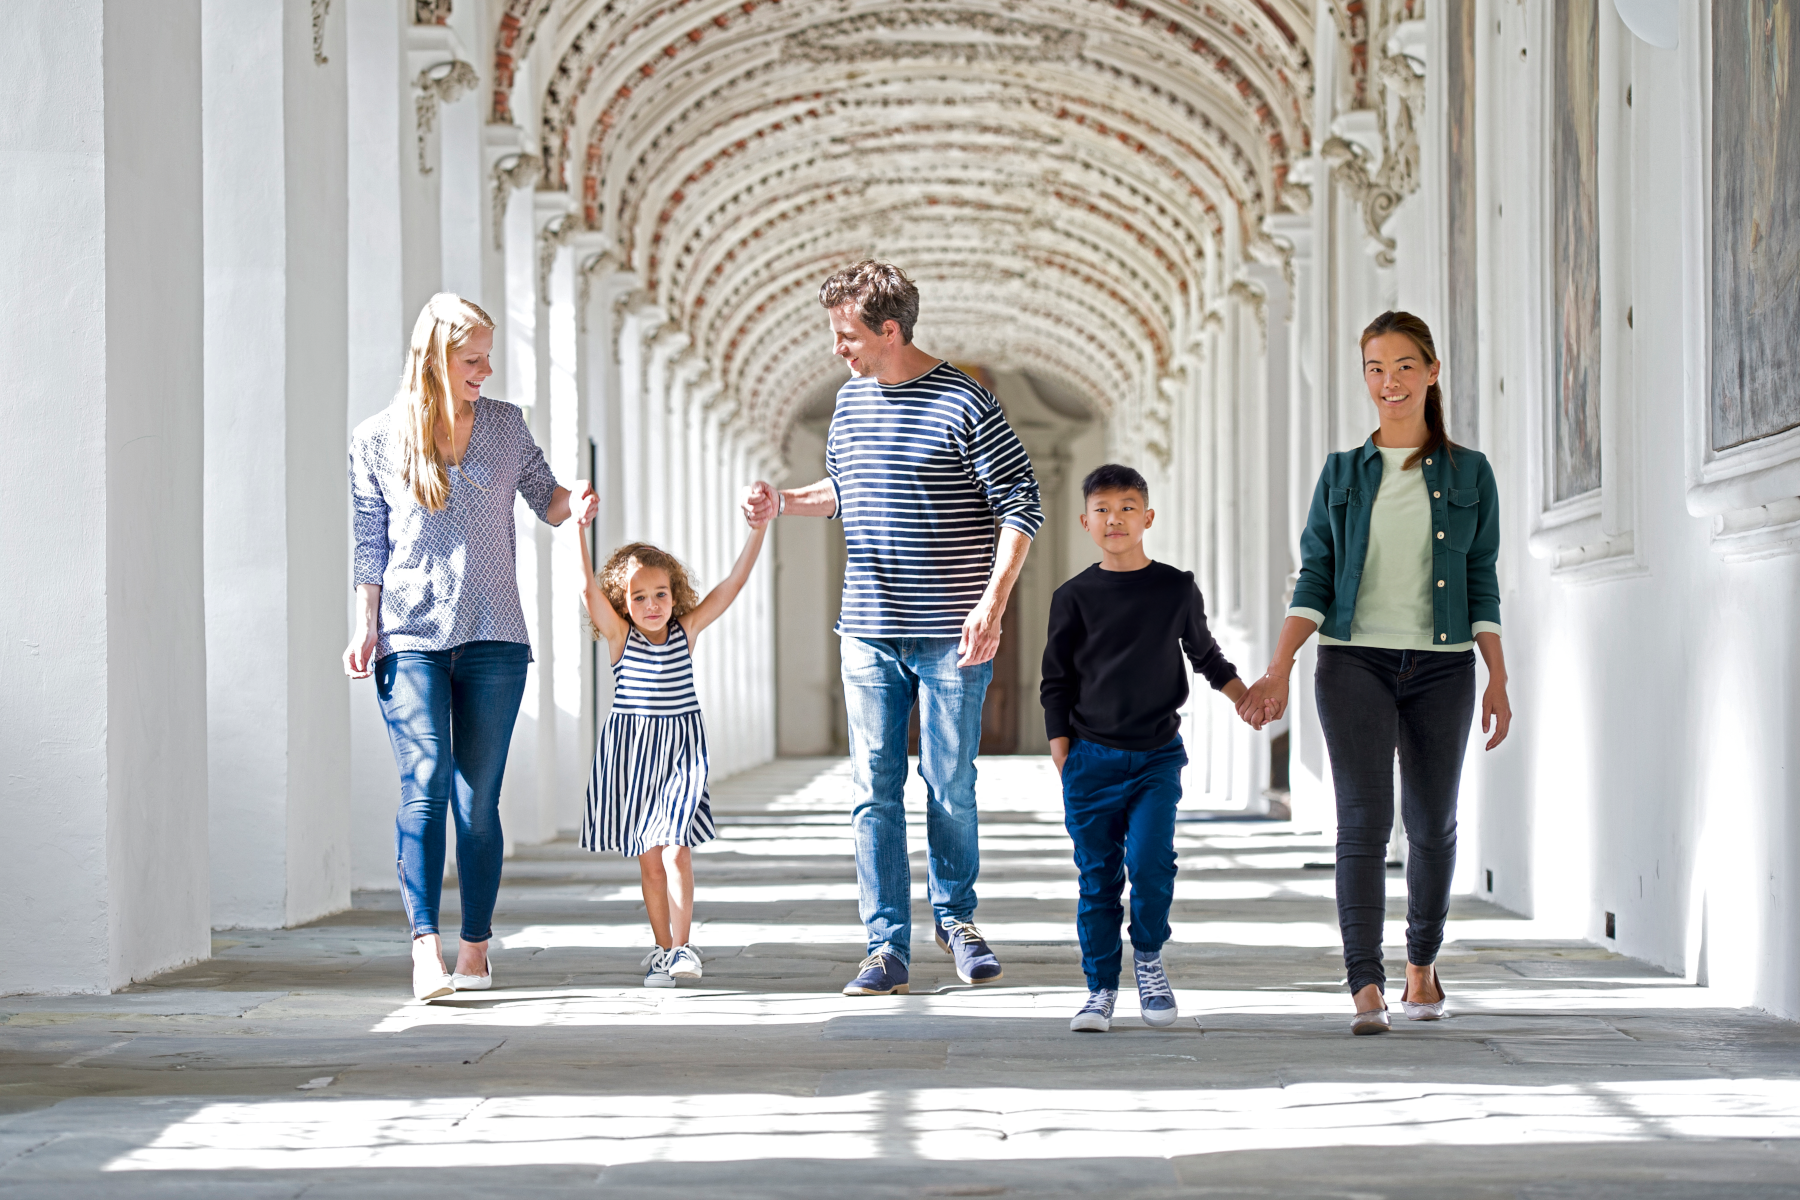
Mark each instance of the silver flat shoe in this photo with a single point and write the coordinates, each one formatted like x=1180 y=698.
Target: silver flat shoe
x=1373 y=1021
x=1428 y=1012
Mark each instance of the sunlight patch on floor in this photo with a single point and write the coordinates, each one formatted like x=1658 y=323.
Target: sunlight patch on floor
x=951 y=1124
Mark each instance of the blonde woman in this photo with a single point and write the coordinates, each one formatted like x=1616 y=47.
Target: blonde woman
x=438 y=623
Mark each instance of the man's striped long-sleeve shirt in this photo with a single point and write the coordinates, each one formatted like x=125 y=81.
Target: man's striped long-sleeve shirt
x=922 y=471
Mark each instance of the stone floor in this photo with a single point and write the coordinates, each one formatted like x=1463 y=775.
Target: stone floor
x=291 y=1065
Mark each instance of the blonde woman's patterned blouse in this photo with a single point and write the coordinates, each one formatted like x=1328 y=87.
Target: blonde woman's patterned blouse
x=447 y=577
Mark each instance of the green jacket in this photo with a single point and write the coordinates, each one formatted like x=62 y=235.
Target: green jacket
x=1465 y=532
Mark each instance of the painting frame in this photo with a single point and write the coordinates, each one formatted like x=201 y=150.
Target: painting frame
x=1750 y=492
x=1591 y=536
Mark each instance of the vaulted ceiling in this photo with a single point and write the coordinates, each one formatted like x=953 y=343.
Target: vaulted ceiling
x=1069 y=181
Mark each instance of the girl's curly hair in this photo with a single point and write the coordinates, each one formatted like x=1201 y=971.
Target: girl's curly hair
x=617 y=571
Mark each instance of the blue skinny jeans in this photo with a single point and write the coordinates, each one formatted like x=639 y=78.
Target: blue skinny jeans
x=882 y=679
x=450 y=716
x=1119 y=808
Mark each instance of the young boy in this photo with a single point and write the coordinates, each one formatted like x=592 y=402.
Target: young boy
x=1113 y=682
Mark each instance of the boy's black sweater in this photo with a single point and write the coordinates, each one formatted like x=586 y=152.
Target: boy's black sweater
x=1112 y=665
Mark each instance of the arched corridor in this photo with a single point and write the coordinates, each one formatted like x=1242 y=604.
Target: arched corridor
x=1153 y=228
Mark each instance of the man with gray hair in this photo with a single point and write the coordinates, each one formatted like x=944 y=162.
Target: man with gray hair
x=921 y=467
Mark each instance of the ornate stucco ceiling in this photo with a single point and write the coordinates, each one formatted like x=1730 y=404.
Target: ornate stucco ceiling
x=1071 y=182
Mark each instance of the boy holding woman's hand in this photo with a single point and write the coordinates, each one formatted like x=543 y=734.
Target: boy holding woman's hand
x=1113 y=684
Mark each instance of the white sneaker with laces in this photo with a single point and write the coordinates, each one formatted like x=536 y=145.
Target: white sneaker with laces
x=658 y=974
x=1096 y=1015
x=684 y=962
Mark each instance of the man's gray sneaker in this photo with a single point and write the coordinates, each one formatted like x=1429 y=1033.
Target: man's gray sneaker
x=1096 y=1015
x=1156 y=999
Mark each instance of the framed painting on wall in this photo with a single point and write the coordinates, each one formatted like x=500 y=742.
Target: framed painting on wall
x=1462 y=366
x=1741 y=272
x=1575 y=423
x=1755 y=220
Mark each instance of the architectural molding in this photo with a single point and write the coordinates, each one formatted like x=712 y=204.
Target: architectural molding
x=976 y=37
x=510 y=173
x=554 y=219
x=1373 y=150
x=1377 y=203
x=1749 y=493
x=320 y=10
x=444 y=83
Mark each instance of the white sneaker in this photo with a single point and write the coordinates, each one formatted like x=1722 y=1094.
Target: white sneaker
x=1096 y=1015
x=658 y=974
x=684 y=962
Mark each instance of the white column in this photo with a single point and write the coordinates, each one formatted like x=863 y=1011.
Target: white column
x=1308 y=441
x=430 y=49
x=380 y=152
x=276 y=513
x=102 y=642
x=636 y=430
x=664 y=454
x=564 y=659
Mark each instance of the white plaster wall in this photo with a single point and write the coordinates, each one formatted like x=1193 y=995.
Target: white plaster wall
x=53 y=655
x=1651 y=769
x=808 y=692
x=275 y=511
x=103 y=646
x=379 y=150
x=156 y=653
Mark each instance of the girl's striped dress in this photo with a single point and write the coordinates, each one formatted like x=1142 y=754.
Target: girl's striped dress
x=648 y=785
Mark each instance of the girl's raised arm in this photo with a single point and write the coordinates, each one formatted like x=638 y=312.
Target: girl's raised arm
x=720 y=598
x=605 y=617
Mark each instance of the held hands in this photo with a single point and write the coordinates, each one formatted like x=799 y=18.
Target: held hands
x=584 y=504
x=1267 y=698
x=759 y=505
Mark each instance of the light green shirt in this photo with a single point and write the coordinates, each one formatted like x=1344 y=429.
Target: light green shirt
x=1393 y=603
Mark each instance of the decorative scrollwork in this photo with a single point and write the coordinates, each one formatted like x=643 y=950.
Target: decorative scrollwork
x=551 y=239
x=320 y=10
x=510 y=173
x=1377 y=201
x=443 y=83
x=431 y=12
x=979 y=37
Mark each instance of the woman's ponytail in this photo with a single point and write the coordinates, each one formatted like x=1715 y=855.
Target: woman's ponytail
x=1436 y=437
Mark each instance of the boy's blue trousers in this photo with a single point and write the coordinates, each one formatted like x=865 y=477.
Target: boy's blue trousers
x=1119 y=807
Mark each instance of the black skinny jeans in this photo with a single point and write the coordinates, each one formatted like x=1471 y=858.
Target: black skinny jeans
x=1372 y=703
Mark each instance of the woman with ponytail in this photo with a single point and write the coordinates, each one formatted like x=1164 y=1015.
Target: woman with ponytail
x=438 y=619
x=1397 y=576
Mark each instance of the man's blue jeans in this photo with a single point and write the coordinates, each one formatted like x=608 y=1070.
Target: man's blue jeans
x=450 y=717
x=882 y=679
x=1119 y=808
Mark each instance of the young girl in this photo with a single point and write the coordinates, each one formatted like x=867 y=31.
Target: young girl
x=647 y=795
